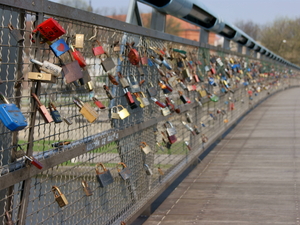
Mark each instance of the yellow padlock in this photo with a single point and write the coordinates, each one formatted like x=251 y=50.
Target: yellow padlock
x=123 y=113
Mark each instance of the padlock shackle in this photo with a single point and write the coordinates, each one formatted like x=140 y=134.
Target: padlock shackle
x=105 y=87
x=36 y=62
x=171 y=125
x=121 y=163
x=10 y=26
x=54 y=190
x=51 y=105
x=36 y=99
x=3 y=98
x=84 y=184
x=103 y=167
x=98 y=42
x=143 y=144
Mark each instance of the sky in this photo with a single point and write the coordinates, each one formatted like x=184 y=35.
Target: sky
x=259 y=11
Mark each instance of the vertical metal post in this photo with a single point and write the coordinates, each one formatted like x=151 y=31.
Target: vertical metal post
x=158 y=21
x=226 y=44
x=204 y=34
x=240 y=48
x=133 y=15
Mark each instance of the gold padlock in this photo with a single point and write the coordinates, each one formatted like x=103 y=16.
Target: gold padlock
x=44 y=77
x=88 y=112
x=145 y=148
x=115 y=115
x=86 y=188
x=202 y=93
x=59 y=197
x=79 y=39
x=123 y=113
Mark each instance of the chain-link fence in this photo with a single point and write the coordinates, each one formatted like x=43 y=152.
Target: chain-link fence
x=179 y=99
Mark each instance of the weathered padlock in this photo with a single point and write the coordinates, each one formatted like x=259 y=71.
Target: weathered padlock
x=11 y=116
x=79 y=40
x=42 y=109
x=129 y=98
x=188 y=145
x=151 y=90
x=133 y=55
x=197 y=130
x=50 y=29
x=145 y=148
x=48 y=67
x=78 y=56
x=87 y=190
x=86 y=110
x=108 y=92
x=188 y=118
x=125 y=173
x=54 y=113
x=59 y=47
x=98 y=103
x=144 y=99
x=72 y=71
x=171 y=131
x=104 y=178
x=33 y=161
x=183 y=98
x=59 y=197
x=97 y=50
x=43 y=77
x=123 y=113
x=134 y=85
x=165 y=111
x=15 y=33
x=148 y=169
x=124 y=82
x=107 y=63
x=19 y=153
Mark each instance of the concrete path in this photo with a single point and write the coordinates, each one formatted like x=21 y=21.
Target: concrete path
x=251 y=177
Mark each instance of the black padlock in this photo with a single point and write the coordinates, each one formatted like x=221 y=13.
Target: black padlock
x=197 y=130
x=104 y=178
x=151 y=90
x=125 y=173
x=54 y=113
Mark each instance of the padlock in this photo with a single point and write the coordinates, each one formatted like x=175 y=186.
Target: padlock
x=171 y=131
x=157 y=61
x=107 y=63
x=148 y=169
x=172 y=79
x=86 y=110
x=15 y=33
x=160 y=146
x=19 y=153
x=59 y=47
x=108 y=92
x=43 y=77
x=151 y=90
x=202 y=124
x=48 y=67
x=115 y=114
x=60 y=144
x=42 y=109
x=124 y=82
x=165 y=111
x=188 y=118
x=79 y=40
x=169 y=104
x=165 y=87
x=166 y=64
x=133 y=55
x=219 y=61
x=202 y=93
x=50 y=29
x=8 y=219
x=214 y=98
x=160 y=171
x=188 y=145
x=123 y=113
x=138 y=97
x=112 y=79
x=87 y=190
x=168 y=145
x=97 y=50
x=186 y=73
x=78 y=56
x=67 y=121
x=196 y=130
x=204 y=138
x=199 y=102
x=11 y=116
x=72 y=71
x=176 y=108
x=196 y=78
x=183 y=98
x=59 y=197
x=188 y=127
x=98 y=103
x=144 y=59
x=130 y=99
x=54 y=113
x=144 y=99
x=182 y=85
x=125 y=173
x=134 y=85
x=145 y=148
x=34 y=161
x=86 y=80
x=116 y=46
x=104 y=178
x=160 y=104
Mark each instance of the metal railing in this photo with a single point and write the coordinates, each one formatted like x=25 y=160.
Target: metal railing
x=26 y=191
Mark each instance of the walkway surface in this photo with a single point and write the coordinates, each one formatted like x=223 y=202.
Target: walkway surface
x=251 y=177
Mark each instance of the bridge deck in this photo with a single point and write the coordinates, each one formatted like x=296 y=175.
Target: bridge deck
x=251 y=177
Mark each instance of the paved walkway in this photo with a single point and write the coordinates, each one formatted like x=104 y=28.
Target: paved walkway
x=251 y=177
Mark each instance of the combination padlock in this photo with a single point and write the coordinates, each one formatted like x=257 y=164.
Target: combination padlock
x=59 y=47
x=125 y=173
x=108 y=92
x=148 y=169
x=60 y=198
x=48 y=67
x=104 y=178
x=97 y=50
x=11 y=116
x=87 y=190
x=15 y=33
x=86 y=110
x=98 y=103
x=123 y=80
x=50 y=29
x=54 y=113
x=107 y=63
x=33 y=161
x=145 y=148
x=134 y=85
x=42 y=109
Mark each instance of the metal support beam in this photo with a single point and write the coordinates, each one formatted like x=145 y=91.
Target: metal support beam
x=158 y=21
x=133 y=14
x=240 y=48
x=226 y=44
x=204 y=34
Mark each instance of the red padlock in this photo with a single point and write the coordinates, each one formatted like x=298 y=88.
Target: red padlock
x=34 y=162
x=50 y=29
x=98 y=103
x=78 y=56
x=98 y=50
x=133 y=55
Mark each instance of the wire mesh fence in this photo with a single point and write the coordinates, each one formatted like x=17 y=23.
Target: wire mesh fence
x=129 y=121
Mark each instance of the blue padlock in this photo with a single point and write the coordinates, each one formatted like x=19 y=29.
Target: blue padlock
x=164 y=62
x=11 y=116
x=59 y=47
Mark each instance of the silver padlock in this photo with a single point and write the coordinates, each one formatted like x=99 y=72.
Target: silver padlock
x=148 y=170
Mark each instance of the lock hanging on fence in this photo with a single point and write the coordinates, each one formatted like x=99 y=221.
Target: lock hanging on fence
x=171 y=131
x=125 y=173
x=145 y=148
x=86 y=110
x=104 y=178
x=11 y=116
x=59 y=197
x=87 y=190
x=42 y=109
x=148 y=170
x=50 y=29
x=54 y=113
x=107 y=63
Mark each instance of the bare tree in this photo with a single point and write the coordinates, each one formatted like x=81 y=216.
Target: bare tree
x=249 y=27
